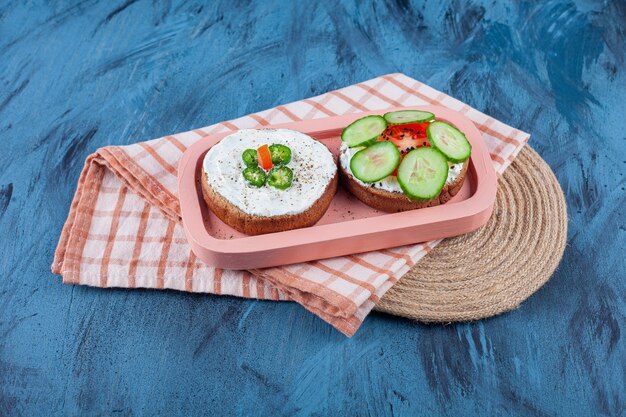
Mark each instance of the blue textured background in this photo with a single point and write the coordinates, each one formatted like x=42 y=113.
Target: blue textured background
x=75 y=77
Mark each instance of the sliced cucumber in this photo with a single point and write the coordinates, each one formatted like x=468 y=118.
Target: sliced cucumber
x=422 y=173
x=449 y=140
x=375 y=162
x=401 y=117
x=364 y=131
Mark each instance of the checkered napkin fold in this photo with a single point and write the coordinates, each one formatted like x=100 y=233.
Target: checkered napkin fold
x=124 y=228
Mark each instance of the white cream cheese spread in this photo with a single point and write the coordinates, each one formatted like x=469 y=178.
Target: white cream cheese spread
x=312 y=164
x=389 y=183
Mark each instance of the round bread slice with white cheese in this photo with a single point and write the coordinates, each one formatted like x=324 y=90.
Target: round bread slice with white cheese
x=386 y=194
x=265 y=208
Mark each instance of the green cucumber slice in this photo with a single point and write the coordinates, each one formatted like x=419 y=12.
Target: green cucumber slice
x=449 y=140
x=363 y=131
x=401 y=117
x=423 y=173
x=375 y=162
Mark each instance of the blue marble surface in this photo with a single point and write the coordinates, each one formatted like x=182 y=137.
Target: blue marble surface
x=77 y=76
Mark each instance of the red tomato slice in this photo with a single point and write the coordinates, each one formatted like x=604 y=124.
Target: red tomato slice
x=417 y=129
x=406 y=137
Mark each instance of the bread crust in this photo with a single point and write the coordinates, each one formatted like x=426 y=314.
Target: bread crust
x=255 y=225
x=391 y=202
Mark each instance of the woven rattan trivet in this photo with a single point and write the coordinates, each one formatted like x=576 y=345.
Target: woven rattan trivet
x=495 y=268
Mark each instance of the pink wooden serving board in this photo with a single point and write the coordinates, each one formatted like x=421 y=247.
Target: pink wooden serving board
x=348 y=226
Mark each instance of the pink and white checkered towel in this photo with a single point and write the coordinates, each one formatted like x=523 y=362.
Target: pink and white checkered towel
x=124 y=230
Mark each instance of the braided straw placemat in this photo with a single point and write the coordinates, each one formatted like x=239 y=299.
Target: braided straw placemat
x=495 y=268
